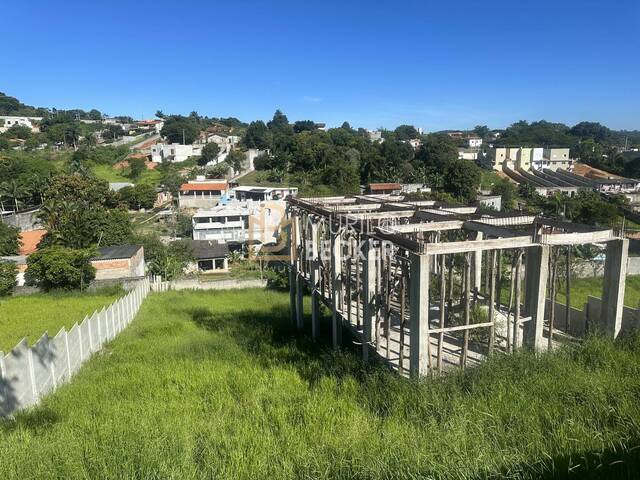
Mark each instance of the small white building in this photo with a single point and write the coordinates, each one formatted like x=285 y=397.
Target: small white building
x=261 y=194
x=174 y=152
x=9 y=121
x=474 y=142
x=468 y=154
x=375 y=135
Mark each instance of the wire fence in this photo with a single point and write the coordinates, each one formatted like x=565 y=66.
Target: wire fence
x=28 y=373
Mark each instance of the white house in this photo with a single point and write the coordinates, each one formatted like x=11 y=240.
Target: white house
x=474 y=142
x=226 y=224
x=174 y=152
x=202 y=193
x=9 y=121
x=261 y=194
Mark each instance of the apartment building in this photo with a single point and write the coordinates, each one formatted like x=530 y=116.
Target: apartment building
x=529 y=158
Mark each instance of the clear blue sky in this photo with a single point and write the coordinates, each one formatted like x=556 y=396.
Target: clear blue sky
x=434 y=64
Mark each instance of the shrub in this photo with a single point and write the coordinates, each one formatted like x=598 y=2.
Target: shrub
x=60 y=267
x=8 y=271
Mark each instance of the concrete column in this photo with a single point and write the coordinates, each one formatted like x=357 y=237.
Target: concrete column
x=535 y=289
x=336 y=286
x=315 y=283
x=299 y=301
x=615 y=271
x=419 y=315
x=476 y=267
x=292 y=293
x=368 y=295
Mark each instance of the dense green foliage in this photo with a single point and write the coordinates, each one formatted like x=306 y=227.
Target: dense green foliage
x=8 y=272
x=168 y=261
x=60 y=268
x=81 y=212
x=139 y=196
x=211 y=385
x=9 y=239
x=179 y=129
x=209 y=153
x=31 y=315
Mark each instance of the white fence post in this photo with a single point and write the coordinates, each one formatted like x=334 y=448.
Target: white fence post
x=32 y=375
x=66 y=345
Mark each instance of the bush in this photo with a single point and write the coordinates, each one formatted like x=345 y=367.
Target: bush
x=8 y=271
x=9 y=239
x=60 y=267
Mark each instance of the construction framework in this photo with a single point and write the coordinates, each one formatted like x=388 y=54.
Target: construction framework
x=428 y=287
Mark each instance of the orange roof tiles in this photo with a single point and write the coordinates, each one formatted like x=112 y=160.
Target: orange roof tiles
x=384 y=186
x=198 y=187
x=30 y=241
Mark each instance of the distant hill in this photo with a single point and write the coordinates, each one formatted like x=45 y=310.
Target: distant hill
x=13 y=106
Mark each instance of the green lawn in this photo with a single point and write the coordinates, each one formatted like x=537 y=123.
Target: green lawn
x=110 y=174
x=581 y=288
x=31 y=315
x=216 y=385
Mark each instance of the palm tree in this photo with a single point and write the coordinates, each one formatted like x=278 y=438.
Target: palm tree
x=12 y=189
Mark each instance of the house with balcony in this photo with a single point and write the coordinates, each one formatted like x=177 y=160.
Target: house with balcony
x=263 y=194
x=224 y=224
x=202 y=193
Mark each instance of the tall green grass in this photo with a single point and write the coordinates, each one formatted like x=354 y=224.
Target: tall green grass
x=216 y=385
x=31 y=315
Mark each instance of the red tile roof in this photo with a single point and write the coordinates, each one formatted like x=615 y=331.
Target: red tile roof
x=30 y=241
x=198 y=187
x=384 y=186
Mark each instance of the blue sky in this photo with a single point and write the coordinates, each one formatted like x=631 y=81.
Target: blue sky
x=437 y=65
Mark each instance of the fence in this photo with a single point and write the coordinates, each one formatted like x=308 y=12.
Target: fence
x=29 y=373
x=588 y=318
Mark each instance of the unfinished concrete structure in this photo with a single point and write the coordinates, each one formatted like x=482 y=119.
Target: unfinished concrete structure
x=428 y=286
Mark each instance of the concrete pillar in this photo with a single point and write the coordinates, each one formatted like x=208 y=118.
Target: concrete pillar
x=535 y=289
x=315 y=282
x=476 y=267
x=292 y=293
x=368 y=295
x=419 y=315
x=299 y=301
x=615 y=271
x=336 y=286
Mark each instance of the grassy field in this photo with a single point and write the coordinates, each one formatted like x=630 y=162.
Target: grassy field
x=110 y=174
x=31 y=315
x=216 y=385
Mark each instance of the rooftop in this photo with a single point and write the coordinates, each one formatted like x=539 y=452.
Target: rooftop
x=117 y=252
x=204 y=249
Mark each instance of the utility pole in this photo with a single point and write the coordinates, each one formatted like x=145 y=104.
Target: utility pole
x=183 y=136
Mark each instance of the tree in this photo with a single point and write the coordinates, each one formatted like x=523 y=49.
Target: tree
x=279 y=123
x=112 y=132
x=159 y=114
x=406 y=132
x=592 y=130
x=137 y=165
x=59 y=267
x=304 y=126
x=13 y=190
x=19 y=131
x=8 y=272
x=209 y=153
x=9 y=239
x=462 y=179
x=179 y=129
x=257 y=136
x=139 y=196
x=507 y=192
x=482 y=131
x=236 y=160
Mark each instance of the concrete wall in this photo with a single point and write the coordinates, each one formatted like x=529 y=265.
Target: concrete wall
x=196 y=284
x=29 y=373
x=24 y=221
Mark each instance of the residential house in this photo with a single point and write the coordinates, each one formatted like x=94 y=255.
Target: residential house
x=225 y=224
x=468 y=154
x=375 y=136
x=8 y=121
x=262 y=194
x=528 y=158
x=119 y=262
x=384 y=188
x=474 y=142
x=210 y=256
x=174 y=152
x=201 y=193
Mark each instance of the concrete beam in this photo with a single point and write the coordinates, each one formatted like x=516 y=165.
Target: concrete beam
x=535 y=288
x=337 y=288
x=292 y=293
x=299 y=301
x=368 y=295
x=615 y=270
x=315 y=281
x=473 y=245
x=419 y=315
x=476 y=266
